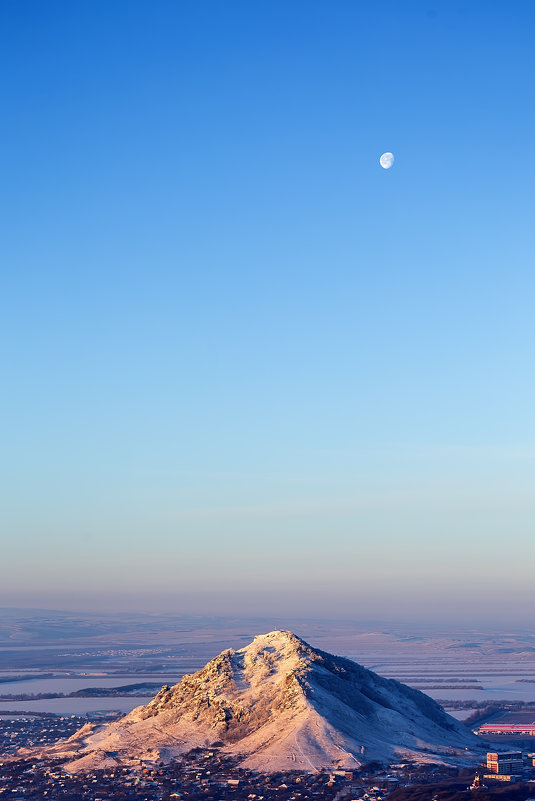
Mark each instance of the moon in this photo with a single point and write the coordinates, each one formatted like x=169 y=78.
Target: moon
x=386 y=160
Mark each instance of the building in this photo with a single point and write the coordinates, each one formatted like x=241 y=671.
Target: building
x=504 y=763
x=503 y=777
x=524 y=729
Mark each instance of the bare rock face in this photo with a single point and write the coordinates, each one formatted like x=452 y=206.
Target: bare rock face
x=238 y=692
x=279 y=704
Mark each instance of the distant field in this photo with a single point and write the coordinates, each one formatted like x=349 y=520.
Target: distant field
x=519 y=717
x=43 y=651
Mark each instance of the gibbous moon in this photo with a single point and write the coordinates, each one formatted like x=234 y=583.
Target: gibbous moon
x=386 y=160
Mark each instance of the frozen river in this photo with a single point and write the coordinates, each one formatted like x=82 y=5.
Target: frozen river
x=75 y=706
x=447 y=665
x=35 y=684
x=68 y=684
x=496 y=690
x=495 y=687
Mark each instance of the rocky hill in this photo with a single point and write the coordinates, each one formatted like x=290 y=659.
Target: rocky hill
x=279 y=704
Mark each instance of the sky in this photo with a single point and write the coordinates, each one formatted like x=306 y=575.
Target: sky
x=244 y=368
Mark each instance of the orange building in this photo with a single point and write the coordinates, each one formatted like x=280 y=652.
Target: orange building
x=505 y=762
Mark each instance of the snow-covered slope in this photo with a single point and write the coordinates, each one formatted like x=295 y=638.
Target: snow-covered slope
x=280 y=704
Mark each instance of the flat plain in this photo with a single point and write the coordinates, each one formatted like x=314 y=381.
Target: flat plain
x=65 y=663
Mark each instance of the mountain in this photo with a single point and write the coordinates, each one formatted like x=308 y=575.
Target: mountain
x=279 y=704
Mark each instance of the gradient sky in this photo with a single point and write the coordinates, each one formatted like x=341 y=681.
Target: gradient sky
x=244 y=369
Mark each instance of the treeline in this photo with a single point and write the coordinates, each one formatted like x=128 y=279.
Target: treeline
x=17 y=713
x=134 y=690
x=9 y=679
x=459 y=792
x=481 y=714
x=511 y=706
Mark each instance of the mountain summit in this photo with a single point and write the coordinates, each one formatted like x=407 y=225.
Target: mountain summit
x=279 y=704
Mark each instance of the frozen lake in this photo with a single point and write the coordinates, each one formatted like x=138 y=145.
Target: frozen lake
x=78 y=706
x=75 y=706
x=493 y=691
x=447 y=664
x=69 y=684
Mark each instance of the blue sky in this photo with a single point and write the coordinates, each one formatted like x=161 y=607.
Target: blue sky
x=243 y=366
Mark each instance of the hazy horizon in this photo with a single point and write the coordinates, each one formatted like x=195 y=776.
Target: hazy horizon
x=410 y=613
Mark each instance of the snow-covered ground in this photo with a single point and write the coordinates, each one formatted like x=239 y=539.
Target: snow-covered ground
x=280 y=704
